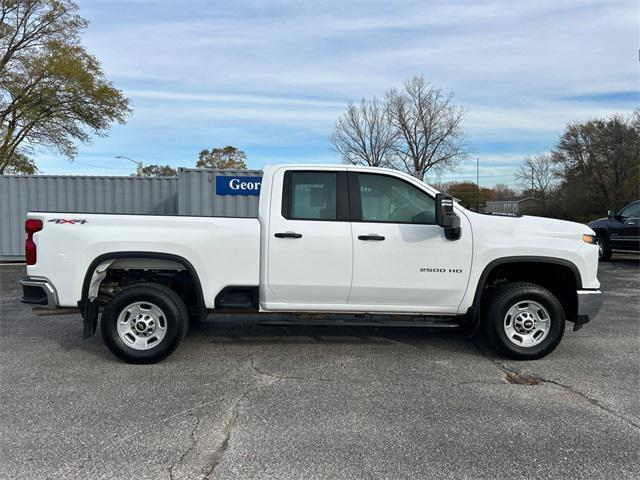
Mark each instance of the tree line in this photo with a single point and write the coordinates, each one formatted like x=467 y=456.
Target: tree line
x=225 y=158
x=594 y=167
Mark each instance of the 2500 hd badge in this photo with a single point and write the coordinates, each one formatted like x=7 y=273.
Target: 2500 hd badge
x=440 y=270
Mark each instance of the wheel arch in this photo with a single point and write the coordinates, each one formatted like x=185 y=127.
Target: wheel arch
x=559 y=270
x=90 y=310
x=602 y=232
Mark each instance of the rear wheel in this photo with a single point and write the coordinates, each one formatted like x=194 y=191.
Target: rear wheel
x=523 y=320
x=144 y=323
x=604 y=249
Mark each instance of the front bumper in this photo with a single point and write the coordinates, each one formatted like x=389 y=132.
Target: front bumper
x=39 y=292
x=589 y=303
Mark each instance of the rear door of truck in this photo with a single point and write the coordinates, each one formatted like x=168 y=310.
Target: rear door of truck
x=309 y=239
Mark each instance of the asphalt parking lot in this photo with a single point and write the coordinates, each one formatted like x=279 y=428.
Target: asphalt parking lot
x=239 y=400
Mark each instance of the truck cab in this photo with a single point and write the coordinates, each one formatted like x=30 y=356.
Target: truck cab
x=358 y=240
x=328 y=239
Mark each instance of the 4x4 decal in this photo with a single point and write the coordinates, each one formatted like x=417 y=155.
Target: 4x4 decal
x=72 y=221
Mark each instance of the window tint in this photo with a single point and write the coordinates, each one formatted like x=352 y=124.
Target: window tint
x=632 y=210
x=389 y=199
x=312 y=196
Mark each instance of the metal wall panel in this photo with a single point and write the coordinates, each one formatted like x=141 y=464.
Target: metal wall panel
x=197 y=194
x=22 y=193
x=192 y=193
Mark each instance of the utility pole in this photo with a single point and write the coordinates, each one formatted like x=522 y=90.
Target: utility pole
x=139 y=164
x=532 y=179
x=478 y=184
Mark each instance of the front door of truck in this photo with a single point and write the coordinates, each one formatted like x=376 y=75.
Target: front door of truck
x=309 y=259
x=625 y=233
x=402 y=259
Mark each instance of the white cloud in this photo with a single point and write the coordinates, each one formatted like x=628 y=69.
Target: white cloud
x=234 y=98
x=543 y=118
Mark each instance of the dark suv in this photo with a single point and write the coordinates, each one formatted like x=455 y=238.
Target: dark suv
x=619 y=231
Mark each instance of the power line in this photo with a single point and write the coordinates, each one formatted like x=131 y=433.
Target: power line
x=95 y=166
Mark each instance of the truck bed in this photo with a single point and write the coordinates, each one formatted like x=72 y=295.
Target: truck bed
x=223 y=250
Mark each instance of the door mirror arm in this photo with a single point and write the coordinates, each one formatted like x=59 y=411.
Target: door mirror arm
x=446 y=217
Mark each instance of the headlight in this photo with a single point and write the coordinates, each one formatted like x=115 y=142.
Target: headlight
x=589 y=238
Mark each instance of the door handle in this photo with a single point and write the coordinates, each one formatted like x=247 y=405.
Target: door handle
x=377 y=238
x=288 y=235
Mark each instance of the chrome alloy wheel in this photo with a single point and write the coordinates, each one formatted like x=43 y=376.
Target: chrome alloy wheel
x=527 y=323
x=142 y=325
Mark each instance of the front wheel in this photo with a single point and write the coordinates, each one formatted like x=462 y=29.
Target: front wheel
x=144 y=323
x=523 y=320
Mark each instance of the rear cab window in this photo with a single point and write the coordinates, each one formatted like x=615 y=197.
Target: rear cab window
x=315 y=195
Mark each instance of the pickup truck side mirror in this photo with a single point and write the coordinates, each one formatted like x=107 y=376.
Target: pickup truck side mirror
x=446 y=217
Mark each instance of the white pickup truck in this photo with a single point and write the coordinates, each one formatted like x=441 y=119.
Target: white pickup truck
x=375 y=243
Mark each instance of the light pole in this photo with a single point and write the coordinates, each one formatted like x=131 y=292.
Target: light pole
x=139 y=164
x=478 y=184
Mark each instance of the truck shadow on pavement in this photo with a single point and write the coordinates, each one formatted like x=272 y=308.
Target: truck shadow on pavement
x=232 y=333
x=246 y=329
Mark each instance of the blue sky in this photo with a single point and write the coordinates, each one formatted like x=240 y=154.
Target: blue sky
x=271 y=77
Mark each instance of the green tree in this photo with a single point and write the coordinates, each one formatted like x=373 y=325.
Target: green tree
x=227 y=158
x=20 y=165
x=157 y=171
x=599 y=163
x=53 y=93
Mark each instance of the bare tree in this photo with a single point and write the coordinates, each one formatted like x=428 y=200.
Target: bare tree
x=503 y=192
x=362 y=135
x=538 y=174
x=428 y=125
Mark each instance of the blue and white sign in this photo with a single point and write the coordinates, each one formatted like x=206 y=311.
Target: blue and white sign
x=238 y=185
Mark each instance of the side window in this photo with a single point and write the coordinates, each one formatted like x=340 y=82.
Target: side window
x=310 y=196
x=631 y=211
x=391 y=200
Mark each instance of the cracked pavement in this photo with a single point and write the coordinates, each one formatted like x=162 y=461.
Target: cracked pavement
x=238 y=400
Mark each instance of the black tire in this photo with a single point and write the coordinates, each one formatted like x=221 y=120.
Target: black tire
x=174 y=319
x=496 y=307
x=604 y=253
